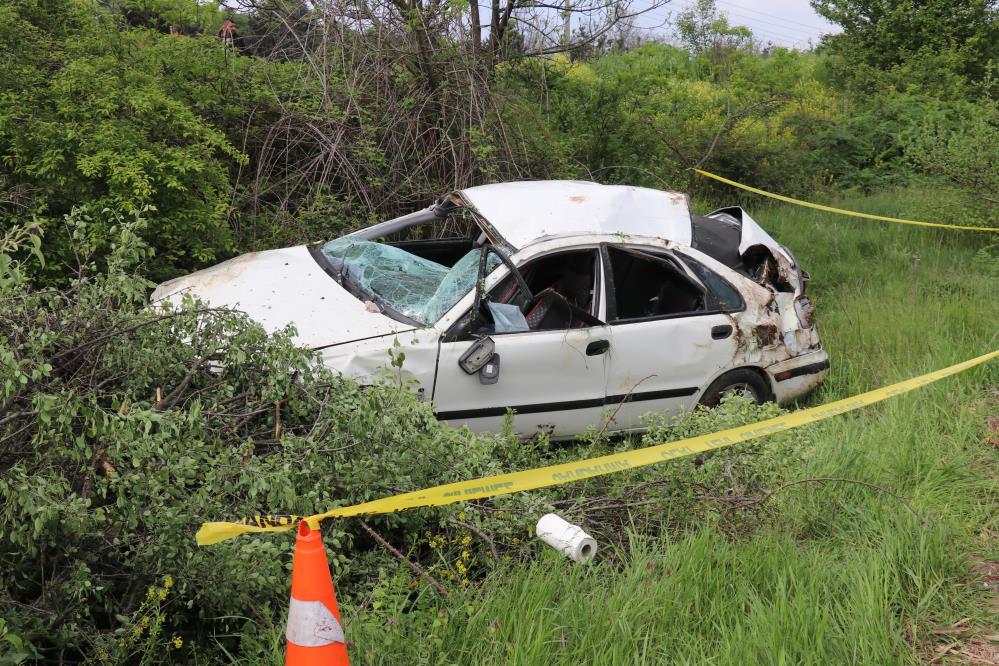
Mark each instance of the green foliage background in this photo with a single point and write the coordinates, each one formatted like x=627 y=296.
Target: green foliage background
x=242 y=148
x=129 y=155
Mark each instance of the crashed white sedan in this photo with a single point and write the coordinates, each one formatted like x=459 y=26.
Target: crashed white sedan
x=558 y=301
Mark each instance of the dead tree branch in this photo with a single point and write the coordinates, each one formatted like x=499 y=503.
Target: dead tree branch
x=413 y=566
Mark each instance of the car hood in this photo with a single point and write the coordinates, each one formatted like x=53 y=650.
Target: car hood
x=281 y=287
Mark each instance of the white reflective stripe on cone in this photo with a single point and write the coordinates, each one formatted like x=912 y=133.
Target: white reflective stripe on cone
x=311 y=624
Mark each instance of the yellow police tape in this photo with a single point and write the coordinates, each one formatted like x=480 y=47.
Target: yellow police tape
x=830 y=209
x=502 y=484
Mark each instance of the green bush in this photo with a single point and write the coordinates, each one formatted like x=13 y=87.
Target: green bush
x=124 y=428
x=960 y=142
x=94 y=116
x=645 y=115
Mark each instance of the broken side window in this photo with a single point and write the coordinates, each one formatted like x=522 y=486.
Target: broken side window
x=720 y=296
x=647 y=285
x=564 y=290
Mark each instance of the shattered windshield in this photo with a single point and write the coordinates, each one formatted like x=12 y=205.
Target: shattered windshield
x=415 y=287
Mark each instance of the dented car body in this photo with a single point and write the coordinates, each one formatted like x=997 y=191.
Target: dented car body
x=559 y=302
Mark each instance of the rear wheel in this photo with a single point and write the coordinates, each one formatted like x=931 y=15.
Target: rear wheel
x=743 y=381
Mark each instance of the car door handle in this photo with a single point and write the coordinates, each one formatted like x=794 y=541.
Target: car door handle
x=597 y=347
x=721 y=332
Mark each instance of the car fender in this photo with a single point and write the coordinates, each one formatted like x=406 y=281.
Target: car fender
x=409 y=358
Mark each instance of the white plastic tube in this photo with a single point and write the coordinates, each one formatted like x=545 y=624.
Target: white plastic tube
x=568 y=539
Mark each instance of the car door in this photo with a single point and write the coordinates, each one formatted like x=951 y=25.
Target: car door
x=552 y=377
x=670 y=336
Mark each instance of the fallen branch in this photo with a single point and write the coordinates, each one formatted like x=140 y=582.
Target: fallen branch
x=164 y=403
x=479 y=533
x=413 y=566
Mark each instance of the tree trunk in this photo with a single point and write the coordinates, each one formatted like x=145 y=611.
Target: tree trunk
x=473 y=9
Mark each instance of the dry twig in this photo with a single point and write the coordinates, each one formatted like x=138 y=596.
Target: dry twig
x=413 y=566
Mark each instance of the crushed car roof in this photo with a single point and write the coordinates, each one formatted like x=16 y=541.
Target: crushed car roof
x=526 y=211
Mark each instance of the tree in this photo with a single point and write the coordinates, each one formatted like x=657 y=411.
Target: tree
x=561 y=26
x=922 y=37
x=96 y=118
x=703 y=29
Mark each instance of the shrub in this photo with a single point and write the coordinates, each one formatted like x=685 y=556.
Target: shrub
x=123 y=428
x=645 y=115
x=91 y=120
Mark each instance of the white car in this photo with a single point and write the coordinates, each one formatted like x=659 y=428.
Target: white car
x=558 y=301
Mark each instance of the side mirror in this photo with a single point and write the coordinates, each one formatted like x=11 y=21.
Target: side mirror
x=476 y=356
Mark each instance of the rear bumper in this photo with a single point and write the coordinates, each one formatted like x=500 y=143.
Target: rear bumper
x=797 y=376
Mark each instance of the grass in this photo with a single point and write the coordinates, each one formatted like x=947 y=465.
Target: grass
x=893 y=300
x=838 y=573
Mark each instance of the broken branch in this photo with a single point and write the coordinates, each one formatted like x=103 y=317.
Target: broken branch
x=413 y=566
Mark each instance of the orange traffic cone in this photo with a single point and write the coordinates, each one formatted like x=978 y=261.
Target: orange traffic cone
x=314 y=633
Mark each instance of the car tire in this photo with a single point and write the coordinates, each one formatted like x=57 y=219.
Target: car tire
x=748 y=381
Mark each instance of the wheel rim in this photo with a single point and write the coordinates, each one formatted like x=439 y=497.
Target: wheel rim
x=740 y=387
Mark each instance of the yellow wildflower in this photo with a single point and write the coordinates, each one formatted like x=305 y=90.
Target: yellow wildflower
x=177 y=641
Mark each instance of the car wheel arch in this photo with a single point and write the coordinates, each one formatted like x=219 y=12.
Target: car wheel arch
x=756 y=370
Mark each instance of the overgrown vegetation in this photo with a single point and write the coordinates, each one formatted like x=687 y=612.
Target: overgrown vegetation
x=297 y=128
x=137 y=143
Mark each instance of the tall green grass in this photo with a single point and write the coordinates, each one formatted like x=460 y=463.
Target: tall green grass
x=836 y=572
x=840 y=574
x=893 y=300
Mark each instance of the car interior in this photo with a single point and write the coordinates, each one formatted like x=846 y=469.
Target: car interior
x=444 y=242
x=642 y=284
x=444 y=251
x=563 y=286
x=649 y=285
